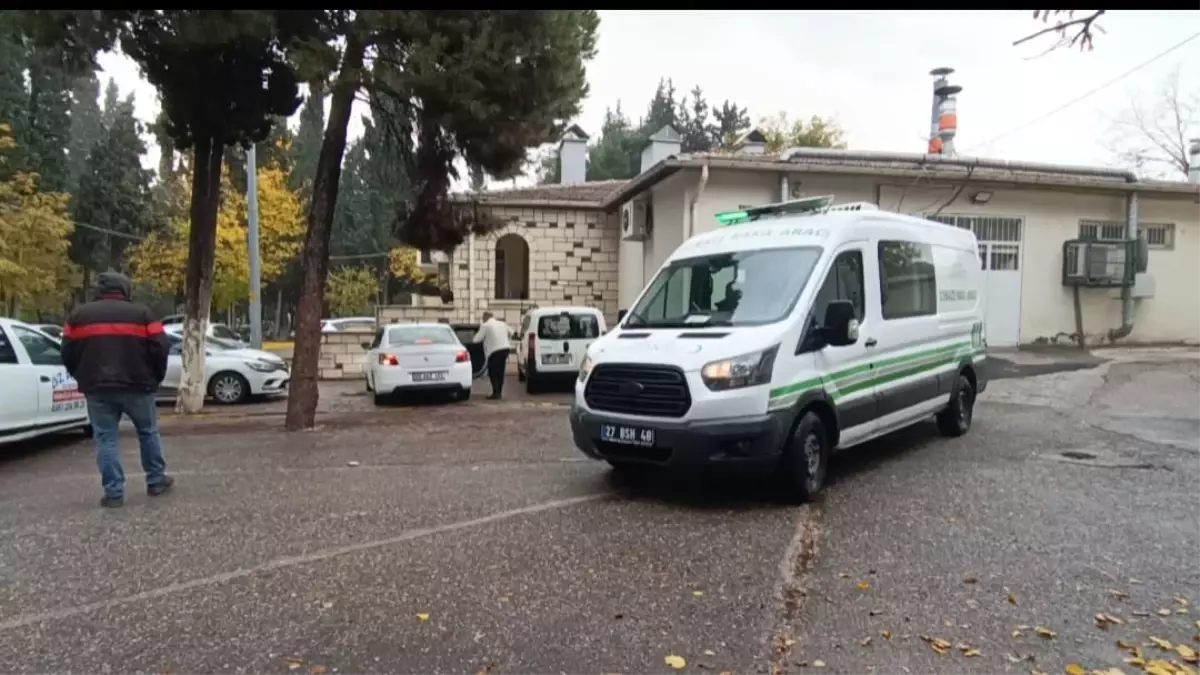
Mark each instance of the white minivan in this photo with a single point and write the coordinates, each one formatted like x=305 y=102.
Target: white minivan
x=552 y=342
x=793 y=330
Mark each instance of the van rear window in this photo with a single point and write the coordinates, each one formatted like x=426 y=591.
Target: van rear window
x=568 y=327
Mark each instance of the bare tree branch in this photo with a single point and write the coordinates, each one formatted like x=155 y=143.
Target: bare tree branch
x=1071 y=32
x=1155 y=134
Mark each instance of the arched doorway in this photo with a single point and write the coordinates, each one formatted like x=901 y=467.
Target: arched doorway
x=512 y=268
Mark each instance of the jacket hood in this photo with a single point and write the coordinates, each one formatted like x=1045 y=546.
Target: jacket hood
x=114 y=282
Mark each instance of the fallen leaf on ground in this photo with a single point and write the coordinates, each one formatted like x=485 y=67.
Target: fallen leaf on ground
x=697 y=593
x=1123 y=645
x=1187 y=653
x=788 y=642
x=843 y=575
x=1181 y=600
x=422 y=616
x=1012 y=599
x=293 y=663
x=725 y=672
x=1035 y=671
x=818 y=664
x=1164 y=612
x=970 y=580
x=1044 y=632
x=316 y=670
x=1105 y=620
x=676 y=662
x=862 y=585
x=1140 y=613
x=1120 y=595
x=1161 y=643
x=1108 y=671
x=352 y=463
x=1182 y=610
x=887 y=634
x=709 y=652
x=865 y=641
x=1016 y=634
x=1074 y=669
x=936 y=644
x=971 y=652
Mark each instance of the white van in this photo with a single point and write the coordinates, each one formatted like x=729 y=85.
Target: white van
x=793 y=330
x=552 y=342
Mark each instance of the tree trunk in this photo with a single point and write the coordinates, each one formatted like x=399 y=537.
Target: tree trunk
x=279 y=334
x=202 y=242
x=314 y=258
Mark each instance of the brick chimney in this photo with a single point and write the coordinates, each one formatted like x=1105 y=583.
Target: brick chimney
x=572 y=156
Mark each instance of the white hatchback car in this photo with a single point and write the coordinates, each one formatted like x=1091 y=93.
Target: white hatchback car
x=412 y=357
x=233 y=373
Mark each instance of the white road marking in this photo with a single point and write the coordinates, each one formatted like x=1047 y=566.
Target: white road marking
x=292 y=561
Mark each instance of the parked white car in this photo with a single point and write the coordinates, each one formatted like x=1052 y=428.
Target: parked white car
x=37 y=396
x=552 y=342
x=233 y=373
x=348 y=323
x=425 y=357
x=214 y=330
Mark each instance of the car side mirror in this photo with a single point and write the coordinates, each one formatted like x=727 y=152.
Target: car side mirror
x=840 y=328
x=366 y=345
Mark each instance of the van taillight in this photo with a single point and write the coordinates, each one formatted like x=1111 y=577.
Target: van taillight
x=531 y=344
x=462 y=356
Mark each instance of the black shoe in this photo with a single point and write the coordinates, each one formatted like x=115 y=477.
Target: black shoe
x=494 y=397
x=160 y=487
x=112 y=502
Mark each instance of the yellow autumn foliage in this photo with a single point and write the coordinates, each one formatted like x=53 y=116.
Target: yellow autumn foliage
x=404 y=262
x=161 y=259
x=35 y=229
x=350 y=291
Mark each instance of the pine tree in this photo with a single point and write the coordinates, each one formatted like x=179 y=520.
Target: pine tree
x=47 y=135
x=14 y=98
x=112 y=99
x=87 y=125
x=306 y=146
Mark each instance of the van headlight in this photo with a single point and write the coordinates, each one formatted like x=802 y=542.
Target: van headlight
x=747 y=370
x=585 y=367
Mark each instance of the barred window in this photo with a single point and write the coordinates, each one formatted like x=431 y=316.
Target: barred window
x=1158 y=235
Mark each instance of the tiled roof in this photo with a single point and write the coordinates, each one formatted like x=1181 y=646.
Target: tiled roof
x=591 y=193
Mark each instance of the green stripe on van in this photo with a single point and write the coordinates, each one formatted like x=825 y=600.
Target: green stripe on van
x=887 y=370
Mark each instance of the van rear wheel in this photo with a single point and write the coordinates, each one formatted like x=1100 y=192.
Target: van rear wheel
x=532 y=384
x=955 y=419
x=805 y=459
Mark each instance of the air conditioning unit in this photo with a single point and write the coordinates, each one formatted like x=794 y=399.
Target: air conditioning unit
x=634 y=221
x=1099 y=264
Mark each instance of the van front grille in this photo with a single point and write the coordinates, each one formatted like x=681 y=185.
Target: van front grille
x=638 y=389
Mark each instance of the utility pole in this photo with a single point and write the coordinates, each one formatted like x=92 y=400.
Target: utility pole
x=252 y=247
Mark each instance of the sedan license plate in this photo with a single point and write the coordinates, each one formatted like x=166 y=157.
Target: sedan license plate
x=556 y=359
x=431 y=376
x=627 y=435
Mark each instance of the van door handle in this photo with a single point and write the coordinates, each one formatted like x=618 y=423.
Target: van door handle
x=871 y=342
x=44 y=378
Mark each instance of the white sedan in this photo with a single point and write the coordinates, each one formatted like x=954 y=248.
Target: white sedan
x=418 y=357
x=37 y=396
x=233 y=374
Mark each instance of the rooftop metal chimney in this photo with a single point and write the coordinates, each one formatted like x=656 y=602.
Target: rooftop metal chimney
x=1194 y=160
x=944 y=116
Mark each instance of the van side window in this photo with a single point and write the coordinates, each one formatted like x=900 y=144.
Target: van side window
x=843 y=282
x=907 y=282
x=8 y=355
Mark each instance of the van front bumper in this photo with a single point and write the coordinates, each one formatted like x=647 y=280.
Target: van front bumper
x=752 y=442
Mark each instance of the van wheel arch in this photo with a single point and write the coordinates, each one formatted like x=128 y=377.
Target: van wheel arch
x=823 y=407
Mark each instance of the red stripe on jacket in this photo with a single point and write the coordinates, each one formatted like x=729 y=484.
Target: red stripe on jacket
x=149 y=330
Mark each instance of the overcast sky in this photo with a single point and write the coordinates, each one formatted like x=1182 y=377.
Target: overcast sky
x=869 y=70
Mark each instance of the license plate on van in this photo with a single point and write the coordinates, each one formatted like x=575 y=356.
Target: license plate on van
x=556 y=359
x=623 y=435
x=431 y=376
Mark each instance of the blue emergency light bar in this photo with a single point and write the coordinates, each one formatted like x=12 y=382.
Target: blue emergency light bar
x=791 y=207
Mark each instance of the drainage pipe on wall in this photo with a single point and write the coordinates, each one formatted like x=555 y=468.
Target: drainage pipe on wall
x=691 y=226
x=1131 y=234
x=785 y=189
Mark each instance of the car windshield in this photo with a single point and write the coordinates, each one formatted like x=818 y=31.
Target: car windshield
x=747 y=288
x=568 y=326
x=402 y=336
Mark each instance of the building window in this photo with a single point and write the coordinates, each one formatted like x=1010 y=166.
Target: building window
x=1158 y=235
x=907 y=283
x=985 y=228
x=512 y=268
x=426 y=257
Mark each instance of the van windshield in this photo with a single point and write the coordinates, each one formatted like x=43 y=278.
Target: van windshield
x=568 y=326
x=747 y=288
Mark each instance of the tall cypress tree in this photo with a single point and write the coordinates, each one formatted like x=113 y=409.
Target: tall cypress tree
x=87 y=125
x=47 y=135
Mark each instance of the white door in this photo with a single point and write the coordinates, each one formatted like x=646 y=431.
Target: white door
x=1000 y=258
x=59 y=400
x=18 y=390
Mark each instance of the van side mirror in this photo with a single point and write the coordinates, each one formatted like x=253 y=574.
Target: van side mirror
x=840 y=327
x=621 y=315
x=366 y=345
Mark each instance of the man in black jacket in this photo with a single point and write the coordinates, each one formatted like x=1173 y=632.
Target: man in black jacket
x=116 y=350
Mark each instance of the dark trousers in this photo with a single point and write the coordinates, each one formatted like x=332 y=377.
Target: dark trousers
x=496 y=362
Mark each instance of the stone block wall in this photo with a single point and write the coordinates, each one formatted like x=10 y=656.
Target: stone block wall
x=342 y=356
x=572 y=261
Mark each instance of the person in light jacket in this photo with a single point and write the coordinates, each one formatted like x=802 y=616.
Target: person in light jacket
x=493 y=333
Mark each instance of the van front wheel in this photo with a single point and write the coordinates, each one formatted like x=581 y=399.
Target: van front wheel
x=805 y=459
x=955 y=419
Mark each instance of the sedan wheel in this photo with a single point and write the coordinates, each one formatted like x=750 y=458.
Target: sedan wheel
x=229 y=388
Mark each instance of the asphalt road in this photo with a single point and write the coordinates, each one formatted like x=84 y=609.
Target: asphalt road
x=475 y=539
